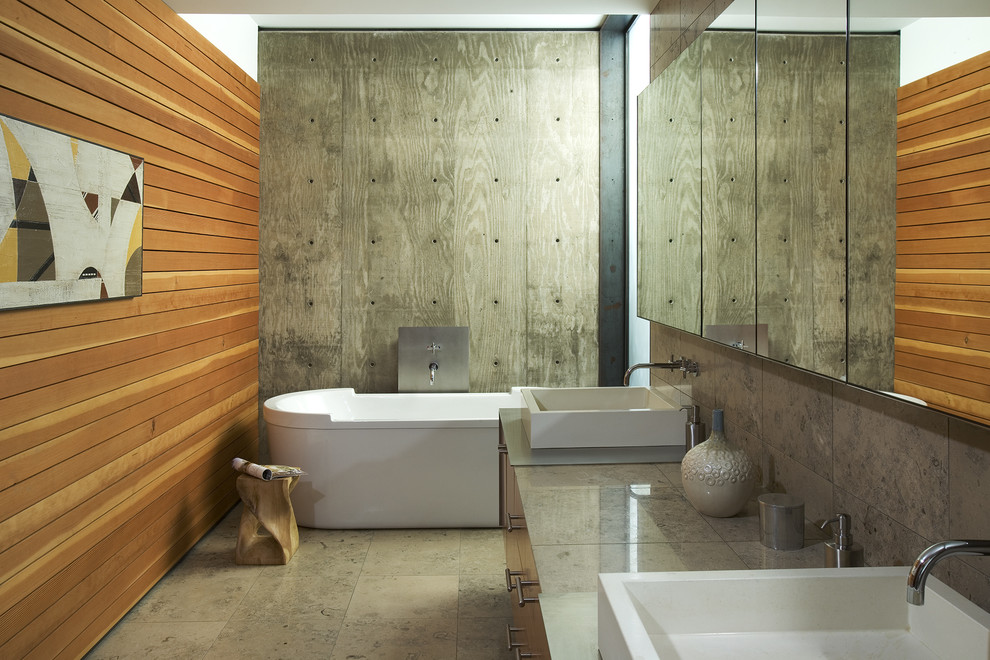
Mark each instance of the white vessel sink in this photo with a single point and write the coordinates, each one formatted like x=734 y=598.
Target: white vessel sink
x=600 y=417
x=794 y=613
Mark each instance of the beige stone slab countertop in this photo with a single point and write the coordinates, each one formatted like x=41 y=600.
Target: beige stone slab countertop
x=624 y=517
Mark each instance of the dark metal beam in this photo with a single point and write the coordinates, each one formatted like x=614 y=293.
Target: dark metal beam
x=612 y=300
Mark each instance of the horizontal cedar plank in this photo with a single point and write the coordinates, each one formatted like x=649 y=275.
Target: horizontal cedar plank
x=160 y=555
x=974 y=260
x=57 y=66
x=942 y=84
x=133 y=491
x=194 y=224
x=173 y=261
x=75 y=33
x=142 y=574
x=956 y=109
x=960 y=362
x=105 y=619
x=948 y=135
x=169 y=180
x=17 y=349
x=168 y=282
x=940 y=171
x=166 y=448
x=960 y=181
x=934 y=276
x=22 y=437
x=948 y=155
x=943 y=200
x=28 y=376
x=174 y=201
x=957 y=307
x=34 y=84
x=125 y=20
x=62 y=475
x=178 y=241
x=977 y=324
x=185 y=48
x=932 y=373
x=969 y=229
x=216 y=63
x=947 y=214
x=46 y=454
x=943 y=291
x=44 y=114
x=23 y=321
x=945 y=246
x=970 y=340
x=20 y=408
x=88 y=575
x=950 y=403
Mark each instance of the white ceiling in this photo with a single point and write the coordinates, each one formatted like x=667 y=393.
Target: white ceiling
x=423 y=14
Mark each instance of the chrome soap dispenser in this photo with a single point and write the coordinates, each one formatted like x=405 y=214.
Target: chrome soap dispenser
x=694 y=430
x=841 y=552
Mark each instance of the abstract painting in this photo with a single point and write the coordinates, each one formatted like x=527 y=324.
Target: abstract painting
x=70 y=218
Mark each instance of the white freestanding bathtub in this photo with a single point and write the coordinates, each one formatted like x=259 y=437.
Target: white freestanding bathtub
x=390 y=460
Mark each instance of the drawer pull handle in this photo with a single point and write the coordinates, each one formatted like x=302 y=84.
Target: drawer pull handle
x=520 y=583
x=508 y=579
x=520 y=654
x=513 y=516
x=508 y=634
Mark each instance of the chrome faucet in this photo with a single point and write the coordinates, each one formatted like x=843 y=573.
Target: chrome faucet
x=433 y=371
x=685 y=366
x=931 y=556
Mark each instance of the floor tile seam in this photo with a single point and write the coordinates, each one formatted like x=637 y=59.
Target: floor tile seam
x=593 y=543
x=207 y=652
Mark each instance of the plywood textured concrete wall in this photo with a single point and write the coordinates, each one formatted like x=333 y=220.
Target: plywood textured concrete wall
x=118 y=419
x=942 y=344
x=874 y=74
x=800 y=199
x=669 y=195
x=428 y=179
x=728 y=189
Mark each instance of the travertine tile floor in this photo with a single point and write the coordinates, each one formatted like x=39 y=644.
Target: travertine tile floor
x=369 y=594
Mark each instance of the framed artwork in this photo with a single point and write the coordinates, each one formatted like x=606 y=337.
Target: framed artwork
x=70 y=218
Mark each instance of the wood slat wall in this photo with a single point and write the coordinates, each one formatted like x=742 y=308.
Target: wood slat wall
x=942 y=339
x=118 y=419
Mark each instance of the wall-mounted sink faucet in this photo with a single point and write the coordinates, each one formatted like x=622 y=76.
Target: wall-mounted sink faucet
x=685 y=365
x=934 y=554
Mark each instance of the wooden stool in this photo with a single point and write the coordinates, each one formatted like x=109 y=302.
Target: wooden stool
x=266 y=505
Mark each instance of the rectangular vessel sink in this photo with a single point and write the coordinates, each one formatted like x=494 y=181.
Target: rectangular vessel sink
x=600 y=417
x=793 y=613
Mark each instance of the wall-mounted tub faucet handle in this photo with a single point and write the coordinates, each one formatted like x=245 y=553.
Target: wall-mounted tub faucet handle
x=433 y=347
x=685 y=365
x=433 y=371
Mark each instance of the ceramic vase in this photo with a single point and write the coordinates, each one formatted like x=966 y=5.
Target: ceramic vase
x=718 y=477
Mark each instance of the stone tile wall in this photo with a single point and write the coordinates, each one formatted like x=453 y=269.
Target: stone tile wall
x=908 y=476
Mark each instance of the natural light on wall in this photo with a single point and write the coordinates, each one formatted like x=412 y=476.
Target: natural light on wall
x=236 y=35
x=638 y=59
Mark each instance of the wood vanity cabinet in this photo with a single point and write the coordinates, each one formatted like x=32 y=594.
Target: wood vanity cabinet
x=526 y=636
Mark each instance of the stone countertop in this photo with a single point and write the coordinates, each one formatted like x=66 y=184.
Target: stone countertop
x=623 y=517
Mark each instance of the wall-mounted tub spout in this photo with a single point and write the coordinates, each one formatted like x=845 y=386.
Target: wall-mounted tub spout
x=433 y=371
x=685 y=365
